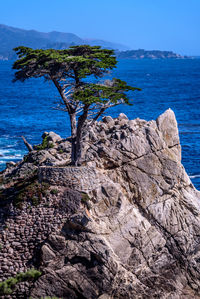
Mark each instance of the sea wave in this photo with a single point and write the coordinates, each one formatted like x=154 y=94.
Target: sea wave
x=3 y=152
x=194 y=176
x=14 y=156
x=10 y=150
x=11 y=145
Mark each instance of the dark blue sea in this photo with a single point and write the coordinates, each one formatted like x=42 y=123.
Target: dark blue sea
x=26 y=108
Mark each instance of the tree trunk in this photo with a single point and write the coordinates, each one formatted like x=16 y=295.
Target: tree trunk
x=79 y=133
x=76 y=133
x=28 y=145
x=73 y=137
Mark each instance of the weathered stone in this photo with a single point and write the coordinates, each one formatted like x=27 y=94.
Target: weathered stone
x=122 y=116
x=126 y=225
x=47 y=254
x=10 y=164
x=138 y=218
x=107 y=119
x=167 y=124
x=77 y=178
x=51 y=137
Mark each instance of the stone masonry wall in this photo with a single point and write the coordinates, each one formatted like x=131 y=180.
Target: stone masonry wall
x=83 y=179
x=24 y=230
x=21 y=235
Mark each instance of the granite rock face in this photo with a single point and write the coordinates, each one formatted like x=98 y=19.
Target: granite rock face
x=135 y=230
x=139 y=237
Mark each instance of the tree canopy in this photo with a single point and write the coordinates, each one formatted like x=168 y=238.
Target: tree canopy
x=74 y=72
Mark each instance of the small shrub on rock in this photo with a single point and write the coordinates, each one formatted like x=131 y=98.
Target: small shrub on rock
x=85 y=200
x=45 y=144
x=54 y=191
x=32 y=192
x=8 y=286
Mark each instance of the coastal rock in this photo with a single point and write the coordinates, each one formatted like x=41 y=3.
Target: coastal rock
x=10 y=164
x=141 y=236
x=127 y=222
x=51 y=137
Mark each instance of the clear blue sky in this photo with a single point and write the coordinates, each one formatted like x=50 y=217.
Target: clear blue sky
x=149 y=24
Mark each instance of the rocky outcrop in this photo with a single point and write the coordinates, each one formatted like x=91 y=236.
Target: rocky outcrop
x=146 y=54
x=131 y=229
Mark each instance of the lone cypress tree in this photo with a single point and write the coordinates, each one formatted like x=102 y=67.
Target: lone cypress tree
x=68 y=69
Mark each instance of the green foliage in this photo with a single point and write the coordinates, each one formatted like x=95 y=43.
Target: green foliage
x=85 y=197
x=32 y=193
x=68 y=69
x=54 y=191
x=79 y=61
x=8 y=286
x=85 y=200
x=25 y=158
x=45 y=144
x=84 y=60
x=100 y=93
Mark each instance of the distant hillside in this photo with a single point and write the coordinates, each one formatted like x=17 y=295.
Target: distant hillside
x=152 y=54
x=11 y=37
x=106 y=44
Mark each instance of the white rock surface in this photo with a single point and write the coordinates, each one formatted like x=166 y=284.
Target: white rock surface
x=142 y=236
x=136 y=231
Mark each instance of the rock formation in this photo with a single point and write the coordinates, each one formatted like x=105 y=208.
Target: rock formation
x=124 y=225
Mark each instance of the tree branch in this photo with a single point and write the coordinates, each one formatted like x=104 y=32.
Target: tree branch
x=59 y=108
x=104 y=107
x=62 y=94
x=28 y=145
x=98 y=115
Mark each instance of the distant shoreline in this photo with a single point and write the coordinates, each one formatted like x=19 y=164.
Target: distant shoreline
x=149 y=54
x=12 y=37
x=134 y=58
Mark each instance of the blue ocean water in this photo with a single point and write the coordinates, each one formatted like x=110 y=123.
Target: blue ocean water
x=26 y=107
